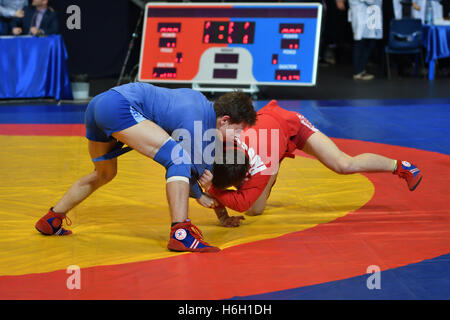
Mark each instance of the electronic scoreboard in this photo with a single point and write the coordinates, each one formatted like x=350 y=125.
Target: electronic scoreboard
x=231 y=44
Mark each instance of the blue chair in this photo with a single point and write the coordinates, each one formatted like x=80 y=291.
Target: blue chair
x=405 y=37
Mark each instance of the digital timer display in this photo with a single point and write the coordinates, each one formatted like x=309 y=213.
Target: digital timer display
x=229 y=32
x=291 y=27
x=167 y=42
x=228 y=45
x=287 y=75
x=290 y=44
x=169 y=27
x=226 y=58
x=179 y=57
x=225 y=73
x=274 y=58
x=166 y=73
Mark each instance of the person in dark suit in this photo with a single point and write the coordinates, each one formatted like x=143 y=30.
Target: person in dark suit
x=39 y=19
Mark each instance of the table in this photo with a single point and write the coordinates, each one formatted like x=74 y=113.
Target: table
x=436 y=40
x=34 y=67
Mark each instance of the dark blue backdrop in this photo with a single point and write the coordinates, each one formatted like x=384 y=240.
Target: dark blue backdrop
x=100 y=46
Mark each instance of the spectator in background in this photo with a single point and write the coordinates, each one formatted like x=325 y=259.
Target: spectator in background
x=10 y=9
x=39 y=19
x=403 y=9
x=365 y=32
x=416 y=9
x=437 y=6
x=323 y=42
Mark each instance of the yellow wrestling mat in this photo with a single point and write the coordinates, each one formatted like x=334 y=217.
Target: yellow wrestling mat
x=128 y=219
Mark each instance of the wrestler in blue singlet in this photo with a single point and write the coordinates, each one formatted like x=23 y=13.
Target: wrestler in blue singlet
x=126 y=105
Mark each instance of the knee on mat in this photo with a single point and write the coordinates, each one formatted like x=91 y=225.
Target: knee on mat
x=253 y=212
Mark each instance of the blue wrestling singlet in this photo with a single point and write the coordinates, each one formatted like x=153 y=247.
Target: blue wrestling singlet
x=182 y=113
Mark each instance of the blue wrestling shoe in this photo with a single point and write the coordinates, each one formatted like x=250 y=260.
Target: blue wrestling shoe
x=185 y=236
x=409 y=172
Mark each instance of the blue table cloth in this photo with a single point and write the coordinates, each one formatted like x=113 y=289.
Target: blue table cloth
x=436 y=40
x=34 y=67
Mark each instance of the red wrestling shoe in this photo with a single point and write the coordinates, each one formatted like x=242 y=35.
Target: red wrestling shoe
x=185 y=236
x=51 y=224
x=409 y=172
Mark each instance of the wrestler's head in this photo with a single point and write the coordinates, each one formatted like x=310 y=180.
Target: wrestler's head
x=230 y=169
x=234 y=112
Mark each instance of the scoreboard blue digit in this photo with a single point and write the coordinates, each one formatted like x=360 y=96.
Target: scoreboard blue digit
x=231 y=44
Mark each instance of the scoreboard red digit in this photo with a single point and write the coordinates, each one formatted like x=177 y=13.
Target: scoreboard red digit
x=231 y=44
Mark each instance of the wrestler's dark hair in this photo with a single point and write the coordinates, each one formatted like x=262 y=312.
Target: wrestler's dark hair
x=237 y=105
x=230 y=170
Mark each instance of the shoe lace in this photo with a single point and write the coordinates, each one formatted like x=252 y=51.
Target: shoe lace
x=403 y=174
x=67 y=221
x=196 y=231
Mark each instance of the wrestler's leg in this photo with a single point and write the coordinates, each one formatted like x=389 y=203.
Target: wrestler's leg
x=104 y=172
x=147 y=138
x=152 y=141
x=326 y=151
x=258 y=207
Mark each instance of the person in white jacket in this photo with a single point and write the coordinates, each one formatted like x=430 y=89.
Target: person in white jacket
x=399 y=12
x=438 y=12
x=367 y=25
x=419 y=9
x=10 y=9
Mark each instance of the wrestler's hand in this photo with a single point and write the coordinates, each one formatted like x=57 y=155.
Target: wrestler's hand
x=207 y=201
x=231 y=222
x=205 y=180
x=225 y=219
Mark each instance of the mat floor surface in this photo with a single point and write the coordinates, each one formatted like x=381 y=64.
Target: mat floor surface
x=322 y=236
